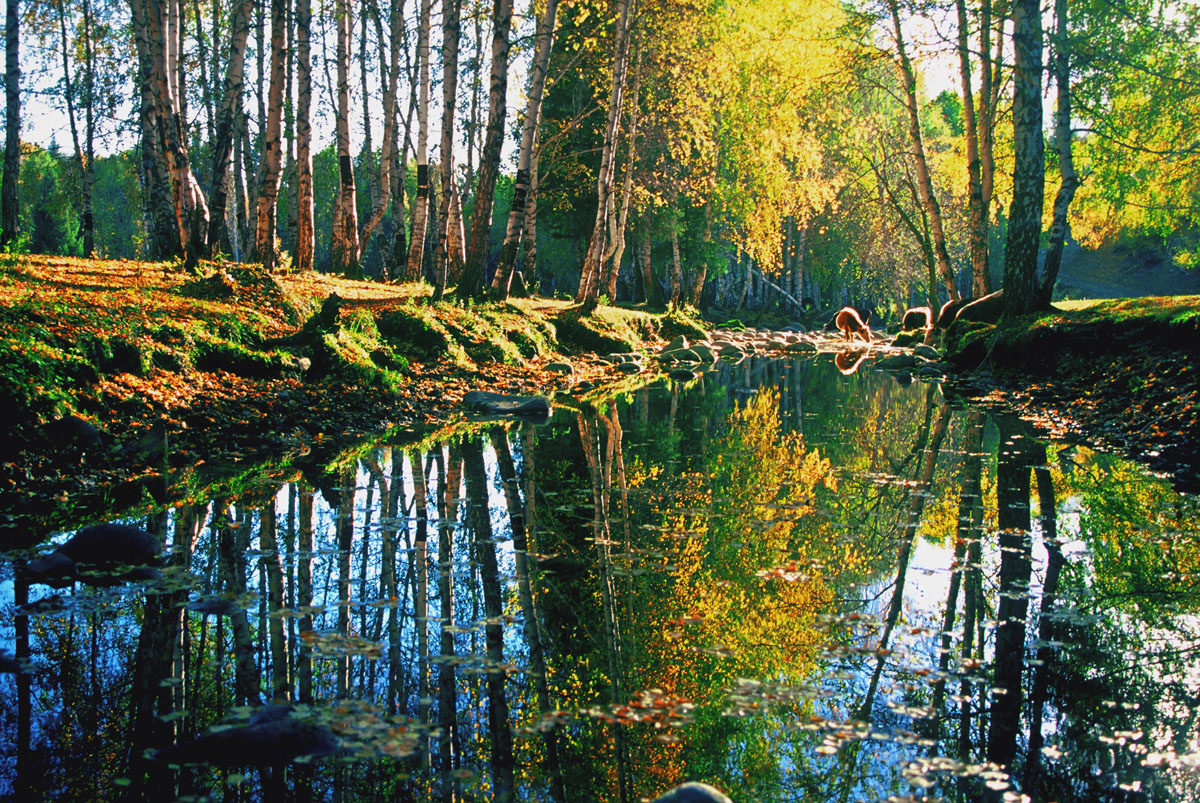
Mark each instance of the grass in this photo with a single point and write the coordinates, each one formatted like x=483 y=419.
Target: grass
x=69 y=326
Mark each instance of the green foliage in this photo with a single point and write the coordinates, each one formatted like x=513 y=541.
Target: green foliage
x=47 y=205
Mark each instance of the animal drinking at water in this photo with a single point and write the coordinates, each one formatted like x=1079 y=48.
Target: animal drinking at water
x=851 y=325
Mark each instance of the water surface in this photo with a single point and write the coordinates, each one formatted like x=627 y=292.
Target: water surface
x=789 y=583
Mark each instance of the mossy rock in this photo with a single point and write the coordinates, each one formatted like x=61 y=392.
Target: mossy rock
x=217 y=355
x=248 y=283
x=417 y=331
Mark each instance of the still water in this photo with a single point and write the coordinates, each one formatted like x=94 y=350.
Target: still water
x=789 y=583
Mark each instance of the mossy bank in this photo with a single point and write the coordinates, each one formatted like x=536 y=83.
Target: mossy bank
x=232 y=362
x=1120 y=372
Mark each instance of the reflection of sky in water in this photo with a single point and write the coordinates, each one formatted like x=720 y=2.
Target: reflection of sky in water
x=873 y=756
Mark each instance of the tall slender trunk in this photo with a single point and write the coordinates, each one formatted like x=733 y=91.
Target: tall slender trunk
x=503 y=785
x=273 y=562
x=676 y=269
x=421 y=599
x=471 y=284
x=270 y=167
x=304 y=596
x=82 y=161
x=1025 y=211
x=386 y=157
x=305 y=229
x=533 y=112
x=977 y=214
x=926 y=192
x=451 y=34
x=155 y=34
x=589 y=279
x=344 y=243
x=416 y=246
x=12 y=124
x=1017 y=456
x=447 y=705
x=345 y=543
x=649 y=281
x=612 y=261
x=1068 y=180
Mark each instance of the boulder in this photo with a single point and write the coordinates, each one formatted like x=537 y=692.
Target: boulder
x=693 y=792
x=800 y=347
x=630 y=368
x=682 y=374
x=927 y=352
x=482 y=401
x=103 y=554
x=564 y=368
x=897 y=362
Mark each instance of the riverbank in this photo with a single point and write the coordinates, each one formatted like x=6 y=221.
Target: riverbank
x=1117 y=373
x=123 y=377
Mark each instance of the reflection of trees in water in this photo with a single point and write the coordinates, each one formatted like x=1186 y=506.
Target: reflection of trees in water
x=685 y=579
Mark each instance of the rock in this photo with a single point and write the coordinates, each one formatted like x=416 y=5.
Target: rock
x=908 y=338
x=800 y=347
x=927 y=352
x=275 y=735
x=482 y=401
x=630 y=368
x=72 y=434
x=100 y=555
x=704 y=353
x=693 y=792
x=677 y=343
x=214 y=606
x=682 y=375
x=561 y=368
x=898 y=362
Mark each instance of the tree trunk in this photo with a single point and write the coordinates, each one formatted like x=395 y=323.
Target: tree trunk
x=83 y=161
x=471 y=285
x=533 y=111
x=386 y=156
x=416 y=245
x=158 y=201
x=617 y=226
x=305 y=228
x=676 y=269
x=503 y=784
x=589 y=278
x=1017 y=457
x=344 y=243
x=271 y=165
x=451 y=34
x=12 y=124
x=649 y=281
x=1025 y=212
x=1068 y=180
x=977 y=214
x=924 y=182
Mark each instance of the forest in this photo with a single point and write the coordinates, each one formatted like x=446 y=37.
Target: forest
x=775 y=154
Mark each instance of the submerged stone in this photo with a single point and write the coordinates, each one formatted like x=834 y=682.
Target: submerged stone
x=482 y=401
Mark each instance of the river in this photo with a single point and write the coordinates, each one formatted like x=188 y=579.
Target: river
x=790 y=583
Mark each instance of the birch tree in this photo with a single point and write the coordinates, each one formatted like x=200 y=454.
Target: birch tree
x=416 y=245
x=12 y=123
x=924 y=179
x=529 y=131
x=471 y=285
x=156 y=29
x=344 y=243
x=226 y=119
x=271 y=167
x=589 y=279
x=1068 y=180
x=449 y=254
x=305 y=230
x=1025 y=212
